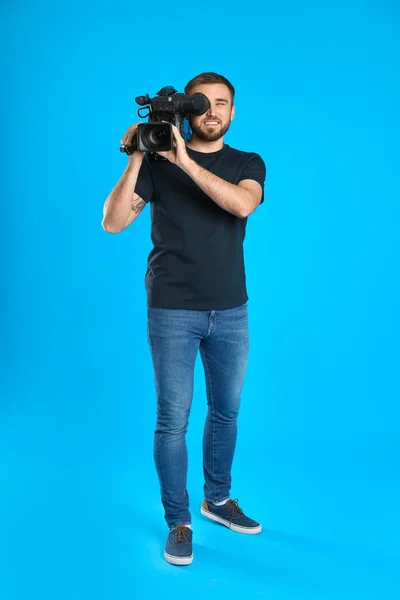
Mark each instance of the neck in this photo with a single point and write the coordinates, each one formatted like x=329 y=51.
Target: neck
x=199 y=145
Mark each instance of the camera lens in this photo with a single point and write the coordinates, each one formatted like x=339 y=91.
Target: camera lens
x=155 y=137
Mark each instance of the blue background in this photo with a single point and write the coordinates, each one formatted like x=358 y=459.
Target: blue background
x=318 y=454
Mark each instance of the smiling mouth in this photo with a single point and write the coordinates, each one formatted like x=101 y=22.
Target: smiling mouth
x=210 y=123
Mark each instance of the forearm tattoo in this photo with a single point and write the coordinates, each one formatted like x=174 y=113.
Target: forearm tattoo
x=138 y=205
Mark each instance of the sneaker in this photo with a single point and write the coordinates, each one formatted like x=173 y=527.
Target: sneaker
x=178 y=550
x=230 y=515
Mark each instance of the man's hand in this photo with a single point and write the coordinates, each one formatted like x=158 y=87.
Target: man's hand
x=127 y=140
x=178 y=155
x=129 y=134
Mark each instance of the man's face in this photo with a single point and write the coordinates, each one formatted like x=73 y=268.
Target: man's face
x=213 y=124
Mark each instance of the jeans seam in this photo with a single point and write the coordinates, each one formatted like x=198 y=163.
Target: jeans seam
x=213 y=415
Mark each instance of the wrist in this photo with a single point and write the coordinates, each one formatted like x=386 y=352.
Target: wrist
x=136 y=158
x=187 y=164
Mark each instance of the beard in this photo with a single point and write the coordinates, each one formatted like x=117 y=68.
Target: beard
x=209 y=134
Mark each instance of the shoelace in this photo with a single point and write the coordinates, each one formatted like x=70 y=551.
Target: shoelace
x=235 y=508
x=181 y=534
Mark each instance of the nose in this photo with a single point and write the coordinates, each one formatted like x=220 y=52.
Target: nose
x=210 y=112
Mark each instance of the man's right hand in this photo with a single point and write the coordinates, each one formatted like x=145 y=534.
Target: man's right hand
x=127 y=138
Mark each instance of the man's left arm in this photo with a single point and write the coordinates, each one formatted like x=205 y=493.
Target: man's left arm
x=240 y=200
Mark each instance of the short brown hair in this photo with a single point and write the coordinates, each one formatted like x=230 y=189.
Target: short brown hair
x=209 y=77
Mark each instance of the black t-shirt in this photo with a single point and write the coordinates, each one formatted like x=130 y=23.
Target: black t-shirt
x=197 y=262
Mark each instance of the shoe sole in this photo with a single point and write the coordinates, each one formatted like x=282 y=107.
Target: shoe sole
x=237 y=528
x=178 y=560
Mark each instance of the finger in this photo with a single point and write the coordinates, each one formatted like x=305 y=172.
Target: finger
x=177 y=135
x=129 y=133
x=127 y=139
x=172 y=125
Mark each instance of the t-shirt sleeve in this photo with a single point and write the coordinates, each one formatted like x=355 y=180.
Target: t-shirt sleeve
x=255 y=169
x=144 y=185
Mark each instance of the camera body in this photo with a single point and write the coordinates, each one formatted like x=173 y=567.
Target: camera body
x=170 y=106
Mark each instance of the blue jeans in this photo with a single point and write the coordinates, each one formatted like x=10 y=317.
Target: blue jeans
x=175 y=337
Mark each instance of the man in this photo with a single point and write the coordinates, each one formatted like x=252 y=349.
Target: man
x=197 y=300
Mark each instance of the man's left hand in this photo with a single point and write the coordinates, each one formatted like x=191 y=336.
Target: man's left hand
x=178 y=155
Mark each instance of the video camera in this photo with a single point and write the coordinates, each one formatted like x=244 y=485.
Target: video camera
x=156 y=136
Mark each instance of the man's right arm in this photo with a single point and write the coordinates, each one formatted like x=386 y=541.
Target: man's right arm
x=123 y=205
